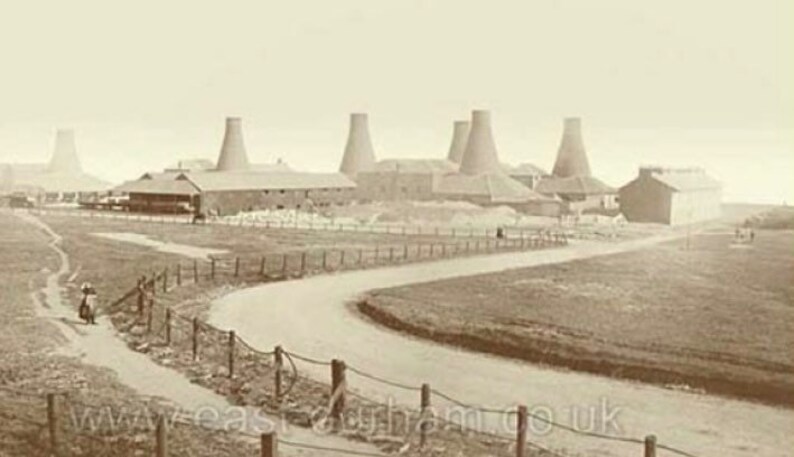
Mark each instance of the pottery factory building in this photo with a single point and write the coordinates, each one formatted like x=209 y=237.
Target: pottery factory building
x=571 y=179
x=673 y=196
x=235 y=185
x=61 y=180
x=471 y=171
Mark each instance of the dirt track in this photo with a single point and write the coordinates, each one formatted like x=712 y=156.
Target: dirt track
x=313 y=317
x=100 y=345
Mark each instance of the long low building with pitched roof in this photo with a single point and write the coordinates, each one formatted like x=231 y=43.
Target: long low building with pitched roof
x=235 y=185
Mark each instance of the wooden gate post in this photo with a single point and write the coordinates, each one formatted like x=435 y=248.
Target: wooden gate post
x=303 y=262
x=284 y=264
x=338 y=387
x=278 y=356
x=262 y=265
x=161 y=436
x=179 y=274
x=650 y=446
x=165 y=280
x=168 y=326
x=269 y=445
x=195 y=272
x=236 y=266
x=212 y=268
x=424 y=425
x=342 y=259
x=325 y=260
x=232 y=341
x=52 y=424
x=195 y=338
x=521 y=431
x=150 y=316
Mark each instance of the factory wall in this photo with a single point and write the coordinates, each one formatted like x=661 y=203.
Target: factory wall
x=646 y=200
x=389 y=186
x=695 y=206
x=225 y=202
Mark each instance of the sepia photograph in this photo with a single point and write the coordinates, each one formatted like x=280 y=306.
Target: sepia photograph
x=419 y=228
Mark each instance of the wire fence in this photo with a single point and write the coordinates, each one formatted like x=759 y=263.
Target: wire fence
x=275 y=382
x=267 y=223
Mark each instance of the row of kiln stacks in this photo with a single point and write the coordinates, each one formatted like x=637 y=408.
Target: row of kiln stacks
x=471 y=172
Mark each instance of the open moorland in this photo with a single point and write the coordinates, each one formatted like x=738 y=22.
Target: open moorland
x=701 y=313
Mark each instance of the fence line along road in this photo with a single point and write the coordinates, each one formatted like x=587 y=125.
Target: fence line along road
x=264 y=223
x=225 y=353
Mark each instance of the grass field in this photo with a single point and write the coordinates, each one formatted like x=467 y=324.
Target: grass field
x=32 y=363
x=713 y=317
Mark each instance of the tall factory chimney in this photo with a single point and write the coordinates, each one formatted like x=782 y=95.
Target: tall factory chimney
x=64 y=155
x=233 y=156
x=460 y=136
x=359 y=154
x=571 y=156
x=480 y=154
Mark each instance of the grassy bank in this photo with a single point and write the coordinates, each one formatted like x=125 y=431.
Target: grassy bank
x=715 y=317
x=33 y=363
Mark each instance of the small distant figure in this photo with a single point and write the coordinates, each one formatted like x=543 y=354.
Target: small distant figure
x=752 y=235
x=88 y=304
x=199 y=217
x=500 y=233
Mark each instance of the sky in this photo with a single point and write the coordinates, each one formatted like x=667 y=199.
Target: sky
x=146 y=83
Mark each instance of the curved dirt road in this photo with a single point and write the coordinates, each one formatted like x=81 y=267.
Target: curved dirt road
x=313 y=317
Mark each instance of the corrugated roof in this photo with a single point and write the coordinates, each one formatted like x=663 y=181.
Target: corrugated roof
x=495 y=187
x=574 y=185
x=687 y=180
x=245 y=180
x=158 y=186
x=415 y=166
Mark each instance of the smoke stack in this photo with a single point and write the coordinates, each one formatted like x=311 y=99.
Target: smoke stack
x=460 y=136
x=359 y=154
x=480 y=154
x=571 y=156
x=233 y=156
x=64 y=156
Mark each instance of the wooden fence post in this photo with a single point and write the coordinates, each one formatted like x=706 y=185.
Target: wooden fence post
x=377 y=253
x=165 y=280
x=179 y=274
x=232 y=341
x=443 y=249
x=278 y=356
x=284 y=264
x=212 y=268
x=195 y=272
x=161 y=448
x=168 y=326
x=150 y=316
x=424 y=425
x=262 y=265
x=432 y=249
x=269 y=444
x=52 y=424
x=338 y=388
x=342 y=259
x=391 y=254
x=303 y=262
x=195 y=338
x=360 y=255
x=405 y=252
x=521 y=427
x=650 y=446
x=325 y=260
x=236 y=266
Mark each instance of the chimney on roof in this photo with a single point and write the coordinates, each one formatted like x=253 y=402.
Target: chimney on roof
x=359 y=154
x=233 y=156
x=480 y=154
x=460 y=136
x=64 y=156
x=571 y=156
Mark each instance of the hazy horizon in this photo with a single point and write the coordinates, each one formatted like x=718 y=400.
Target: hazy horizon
x=146 y=84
